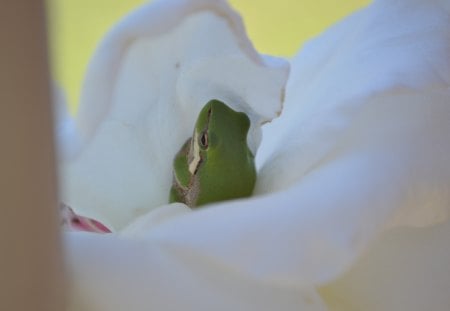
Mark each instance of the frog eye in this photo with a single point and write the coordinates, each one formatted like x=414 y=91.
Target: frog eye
x=204 y=140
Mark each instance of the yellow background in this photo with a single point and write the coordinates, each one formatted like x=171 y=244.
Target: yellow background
x=277 y=27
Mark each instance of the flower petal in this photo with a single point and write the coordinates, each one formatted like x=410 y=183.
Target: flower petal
x=141 y=225
x=112 y=273
x=405 y=269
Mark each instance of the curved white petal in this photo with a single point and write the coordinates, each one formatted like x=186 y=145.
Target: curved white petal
x=374 y=91
x=112 y=274
x=140 y=226
x=142 y=94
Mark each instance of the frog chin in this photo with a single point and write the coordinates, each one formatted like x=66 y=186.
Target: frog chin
x=193 y=193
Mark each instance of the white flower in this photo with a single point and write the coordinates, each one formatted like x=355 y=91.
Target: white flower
x=353 y=191
x=143 y=91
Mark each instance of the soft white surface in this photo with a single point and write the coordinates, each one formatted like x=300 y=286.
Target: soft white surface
x=142 y=94
x=354 y=179
x=405 y=269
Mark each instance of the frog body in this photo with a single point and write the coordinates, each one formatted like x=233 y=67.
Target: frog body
x=215 y=164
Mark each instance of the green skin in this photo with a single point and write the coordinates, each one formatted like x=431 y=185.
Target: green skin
x=215 y=164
